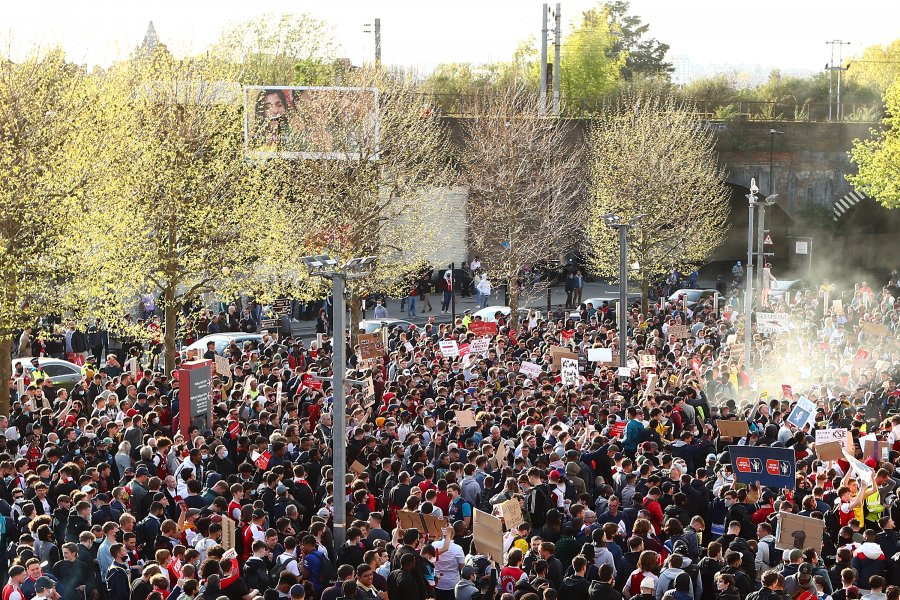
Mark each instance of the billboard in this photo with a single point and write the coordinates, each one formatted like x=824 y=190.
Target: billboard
x=338 y=123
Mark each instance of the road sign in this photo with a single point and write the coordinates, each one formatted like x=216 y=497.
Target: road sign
x=768 y=240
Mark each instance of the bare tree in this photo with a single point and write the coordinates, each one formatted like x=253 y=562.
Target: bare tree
x=524 y=174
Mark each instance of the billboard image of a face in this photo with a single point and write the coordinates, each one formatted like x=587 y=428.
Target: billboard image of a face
x=312 y=122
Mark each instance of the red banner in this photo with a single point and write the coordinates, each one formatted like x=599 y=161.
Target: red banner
x=483 y=328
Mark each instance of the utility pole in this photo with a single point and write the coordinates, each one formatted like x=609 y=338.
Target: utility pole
x=557 y=44
x=616 y=222
x=838 y=113
x=377 y=31
x=543 y=93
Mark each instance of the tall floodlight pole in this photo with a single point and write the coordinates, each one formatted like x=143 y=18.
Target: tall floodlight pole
x=615 y=222
x=329 y=268
x=748 y=295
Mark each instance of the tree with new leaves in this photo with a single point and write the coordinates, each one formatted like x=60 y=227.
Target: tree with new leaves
x=279 y=50
x=180 y=200
x=878 y=158
x=590 y=64
x=47 y=135
x=370 y=195
x=524 y=174
x=651 y=157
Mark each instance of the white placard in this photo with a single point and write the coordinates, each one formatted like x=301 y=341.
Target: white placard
x=530 y=370
x=864 y=471
x=569 y=371
x=480 y=346
x=601 y=355
x=772 y=322
x=449 y=348
x=823 y=436
x=624 y=372
x=801 y=248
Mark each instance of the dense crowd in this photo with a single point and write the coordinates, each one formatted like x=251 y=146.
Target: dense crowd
x=625 y=485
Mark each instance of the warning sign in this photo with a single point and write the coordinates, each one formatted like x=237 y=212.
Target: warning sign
x=768 y=240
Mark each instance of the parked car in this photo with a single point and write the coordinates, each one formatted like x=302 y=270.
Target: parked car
x=784 y=286
x=695 y=296
x=62 y=373
x=373 y=325
x=613 y=302
x=222 y=341
x=489 y=313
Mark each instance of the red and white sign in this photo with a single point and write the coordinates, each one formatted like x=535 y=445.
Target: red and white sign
x=773 y=466
x=483 y=328
x=787 y=391
x=617 y=429
x=743 y=464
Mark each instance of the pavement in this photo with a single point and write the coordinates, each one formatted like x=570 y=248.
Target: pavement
x=592 y=289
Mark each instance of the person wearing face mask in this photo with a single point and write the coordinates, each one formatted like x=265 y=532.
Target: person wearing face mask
x=221 y=463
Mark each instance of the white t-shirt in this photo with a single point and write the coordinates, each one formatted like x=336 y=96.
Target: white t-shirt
x=448 y=565
x=291 y=563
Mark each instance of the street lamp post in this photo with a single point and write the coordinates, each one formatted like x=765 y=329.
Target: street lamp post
x=329 y=268
x=616 y=222
x=748 y=295
x=769 y=201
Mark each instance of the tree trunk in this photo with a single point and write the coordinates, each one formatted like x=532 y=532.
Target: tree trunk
x=645 y=295
x=5 y=373
x=171 y=325
x=513 y=293
x=355 y=314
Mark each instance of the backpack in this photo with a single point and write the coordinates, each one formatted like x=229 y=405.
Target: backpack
x=776 y=555
x=482 y=504
x=256 y=575
x=833 y=521
x=327 y=572
x=480 y=563
x=279 y=567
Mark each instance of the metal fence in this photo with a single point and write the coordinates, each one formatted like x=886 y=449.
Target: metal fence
x=733 y=109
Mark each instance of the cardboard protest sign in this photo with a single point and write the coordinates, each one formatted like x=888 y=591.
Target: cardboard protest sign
x=794 y=531
x=632 y=363
x=651 y=382
x=434 y=525
x=370 y=346
x=357 y=468
x=731 y=428
x=449 y=348
x=601 y=355
x=875 y=448
x=772 y=467
x=228 y=533
x=569 y=372
x=787 y=391
x=483 y=328
x=837 y=306
x=530 y=370
x=876 y=329
x=557 y=353
x=466 y=418
x=223 y=367
x=407 y=519
x=501 y=454
x=511 y=512
x=648 y=361
x=488 y=536
x=681 y=332
x=829 y=450
x=823 y=436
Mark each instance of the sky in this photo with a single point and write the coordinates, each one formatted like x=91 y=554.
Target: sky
x=790 y=34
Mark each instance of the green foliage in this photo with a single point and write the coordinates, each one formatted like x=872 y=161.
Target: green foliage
x=878 y=158
x=645 y=57
x=876 y=68
x=590 y=63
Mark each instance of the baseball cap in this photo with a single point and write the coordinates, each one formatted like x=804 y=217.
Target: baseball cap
x=142 y=470
x=648 y=583
x=795 y=554
x=259 y=514
x=804 y=572
x=44 y=583
x=281 y=490
x=468 y=571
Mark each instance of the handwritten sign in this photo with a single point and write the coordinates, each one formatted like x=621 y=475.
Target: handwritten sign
x=787 y=391
x=449 y=348
x=557 y=353
x=223 y=367
x=829 y=451
x=488 y=536
x=530 y=370
x=648 y=361
x=511 y=512
x=732 y=429
x=680 y=332
x=772 y=322
x=480 y=346
x=569 y=371
x=228 y=533
x=876 y=329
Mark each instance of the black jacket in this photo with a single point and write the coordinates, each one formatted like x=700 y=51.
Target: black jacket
x=574 y=588
x=75 y=525
x=117 y=583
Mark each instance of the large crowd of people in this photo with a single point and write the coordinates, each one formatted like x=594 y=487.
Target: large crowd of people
x=624 y=483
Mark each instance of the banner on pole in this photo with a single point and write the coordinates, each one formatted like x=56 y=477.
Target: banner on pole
x=772 y=467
